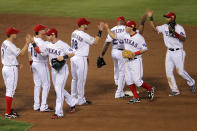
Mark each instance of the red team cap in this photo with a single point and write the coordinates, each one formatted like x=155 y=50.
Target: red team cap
x=82 y=21
x=170 y=15
x=11 y=31
x=131 y=23
x=120 y=18
x=39 y=27
x=51 y=31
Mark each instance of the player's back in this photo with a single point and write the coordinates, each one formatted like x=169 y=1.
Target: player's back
x=116 y=44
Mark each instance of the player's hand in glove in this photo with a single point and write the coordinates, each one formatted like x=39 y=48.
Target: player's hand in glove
x=171 y=26
x=100 y=62
x=57 y=65
x=128 y=54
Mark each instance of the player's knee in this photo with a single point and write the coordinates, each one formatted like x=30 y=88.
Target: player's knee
x=180 y=72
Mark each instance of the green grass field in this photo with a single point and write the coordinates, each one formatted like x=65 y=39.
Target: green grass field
x=107 y=9
x=12 y=125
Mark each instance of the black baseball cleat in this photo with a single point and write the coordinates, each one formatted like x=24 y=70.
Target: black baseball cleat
x=15 y=113
x=193 y=88
x=72 y=109
x=134 y=100
x=87 y=103
x=12 y=115
x=151 y=94
x=48 y=110
x=55 y=116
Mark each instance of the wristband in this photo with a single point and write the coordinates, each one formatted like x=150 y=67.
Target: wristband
x=65 y=57
x=177 y=35
x=137 y=53
x=30 y=62
x=151 y=18
x=99 y=33
x=34 y=45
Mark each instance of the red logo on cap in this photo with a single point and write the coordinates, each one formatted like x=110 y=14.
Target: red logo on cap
x=11 y=31
x=82 y=21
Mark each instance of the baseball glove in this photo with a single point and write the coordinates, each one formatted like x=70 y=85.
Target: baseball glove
x=57 y=65
x=100 y=62
x=128 y=54
x=172 y=25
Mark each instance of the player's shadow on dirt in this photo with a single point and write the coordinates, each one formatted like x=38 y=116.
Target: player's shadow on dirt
x=106 y=87
x=101 y=88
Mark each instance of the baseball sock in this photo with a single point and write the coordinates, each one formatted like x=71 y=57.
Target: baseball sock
x=146 y=86
x=8 y=104
x=134 y=90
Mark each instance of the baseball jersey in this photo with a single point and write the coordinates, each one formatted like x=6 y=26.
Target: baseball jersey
x=9 y=53
x=80 y=42
x=60 y=48
x=116 y=44
x=133 y=43
x=169 y=41
x=34 y=55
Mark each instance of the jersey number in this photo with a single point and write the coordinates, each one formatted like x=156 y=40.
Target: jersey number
x=74 y=44
x=33 y=52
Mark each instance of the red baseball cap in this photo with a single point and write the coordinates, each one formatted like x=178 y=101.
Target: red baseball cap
x=51 y=31
x=170 y=15
x=120 y=18
x=131 y=23
x=39 y=27
x=82 y=21
x=11 y=31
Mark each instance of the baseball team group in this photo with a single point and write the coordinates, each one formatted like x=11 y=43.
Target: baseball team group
x=128 y=45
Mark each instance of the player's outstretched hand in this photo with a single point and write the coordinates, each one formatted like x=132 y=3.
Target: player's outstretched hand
x=29 y=38
x=106 y=26
x=149 y=13
x=101 y=26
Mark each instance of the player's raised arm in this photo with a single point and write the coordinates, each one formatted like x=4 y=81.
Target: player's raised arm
x=112 y=34
x=97 y=38
x=28 y=40
x=142 y=21
x=152 y=23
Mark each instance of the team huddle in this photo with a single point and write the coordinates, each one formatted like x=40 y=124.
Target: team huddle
x=128 y=45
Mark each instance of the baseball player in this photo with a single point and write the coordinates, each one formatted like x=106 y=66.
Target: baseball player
x=117 y=48
x=9 y=56
x=81 y=42
x=133 y=42
x=174 y=36
x=54 y=49
x=39 y=66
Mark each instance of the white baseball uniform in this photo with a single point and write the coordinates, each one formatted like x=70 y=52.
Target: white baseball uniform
x=41 y=75
x=117 y=47
x=59 y=79
x=175 y=56
x=133 y=68
x=9 y=54
x=81 y=42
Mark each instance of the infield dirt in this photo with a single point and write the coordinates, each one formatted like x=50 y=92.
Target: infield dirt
x=106 y=113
